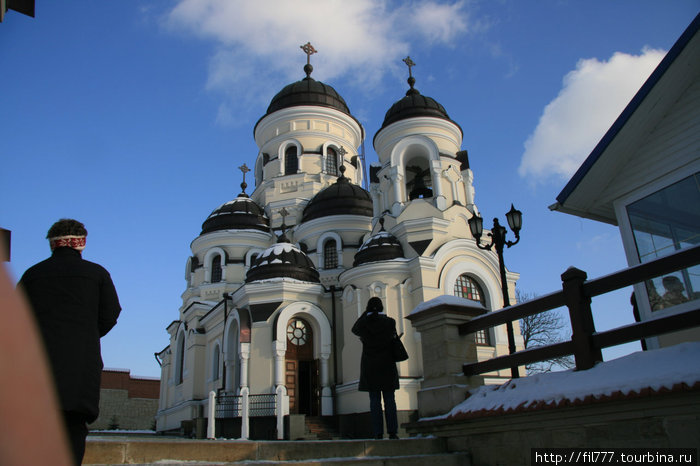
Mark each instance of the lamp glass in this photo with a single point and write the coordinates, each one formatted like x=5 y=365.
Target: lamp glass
x=476 y=225
x=515 y=218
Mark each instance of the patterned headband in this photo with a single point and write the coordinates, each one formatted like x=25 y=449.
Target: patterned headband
x=75 y=242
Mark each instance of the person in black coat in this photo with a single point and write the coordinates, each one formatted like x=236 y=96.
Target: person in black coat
x=75 y=304
x=378 y=374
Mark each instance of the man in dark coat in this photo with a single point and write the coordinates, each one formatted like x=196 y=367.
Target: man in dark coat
x=75 y=304
x=378 y=374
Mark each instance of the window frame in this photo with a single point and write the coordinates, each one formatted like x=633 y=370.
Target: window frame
x=629 y=242
x=482 y=337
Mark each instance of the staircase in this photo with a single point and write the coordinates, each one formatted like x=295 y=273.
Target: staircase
x=320 y=428
x=175 y=451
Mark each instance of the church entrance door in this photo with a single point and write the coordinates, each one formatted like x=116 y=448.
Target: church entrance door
x=301 y=369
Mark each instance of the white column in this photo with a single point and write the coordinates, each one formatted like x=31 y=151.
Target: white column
x=244 y=356
x=211 y=422
x=279 y=349
x=326 y=396
x=436 y=173
x=279 y=411
x=230 y=375
x=245 y=414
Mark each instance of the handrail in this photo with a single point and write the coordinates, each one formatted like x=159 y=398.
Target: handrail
x=586 y=343
x=638 y=273
x=517 y=312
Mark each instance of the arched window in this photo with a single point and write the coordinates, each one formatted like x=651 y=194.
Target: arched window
x=331 y=161
x=215 y=363
x=330 y=254
x=466 y=287
x=180 y=359
x=291 y=160
x=216 y=269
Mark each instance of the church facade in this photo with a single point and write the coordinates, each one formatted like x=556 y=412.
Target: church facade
x=277 y=278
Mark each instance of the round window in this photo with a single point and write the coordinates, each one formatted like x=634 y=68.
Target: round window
x=297 y=333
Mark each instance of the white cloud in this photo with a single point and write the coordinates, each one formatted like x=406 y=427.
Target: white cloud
x=256 y=43
x=592 y=97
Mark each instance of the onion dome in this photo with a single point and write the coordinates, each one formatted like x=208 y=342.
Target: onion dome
x=283 y=260
x=308 y=91
x=380 y=247
x=340 y=198
x=242 y=213
x=414 y=104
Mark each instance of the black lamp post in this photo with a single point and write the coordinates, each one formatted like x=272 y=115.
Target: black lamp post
x=498 y=239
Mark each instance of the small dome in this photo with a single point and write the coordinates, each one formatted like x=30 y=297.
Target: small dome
x=413 y=105
x=283 y=260
x=241 y=213
x=380 y=247
x=340 y=198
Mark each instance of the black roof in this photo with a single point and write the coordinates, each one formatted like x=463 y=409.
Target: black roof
x=413 y=105
x=308 y=91
x=242 y=213
x=340 y=198
x=379 y=247
x=283 y=260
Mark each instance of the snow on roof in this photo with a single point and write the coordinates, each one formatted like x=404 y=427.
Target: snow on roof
x=665 y=369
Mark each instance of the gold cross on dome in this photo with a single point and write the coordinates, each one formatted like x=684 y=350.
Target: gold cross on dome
x=244 y=168
x=283 y=213
x=410 y=64
x=308 y=50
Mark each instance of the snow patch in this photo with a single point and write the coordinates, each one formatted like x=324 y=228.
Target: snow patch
x=657 y=369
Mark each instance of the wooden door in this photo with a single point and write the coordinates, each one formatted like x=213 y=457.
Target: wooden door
x=301 y=370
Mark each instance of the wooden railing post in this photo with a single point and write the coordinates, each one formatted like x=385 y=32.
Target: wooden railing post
x=582 y=326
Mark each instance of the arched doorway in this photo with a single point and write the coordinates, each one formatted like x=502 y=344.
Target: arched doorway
x=301 y=369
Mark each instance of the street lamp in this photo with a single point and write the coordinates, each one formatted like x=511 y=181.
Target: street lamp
x=498 y=239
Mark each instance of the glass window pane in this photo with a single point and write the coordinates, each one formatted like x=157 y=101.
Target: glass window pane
x=663 y=223
x=466 y=287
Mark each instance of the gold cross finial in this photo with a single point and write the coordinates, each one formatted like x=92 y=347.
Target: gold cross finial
x=283 y=213
x=308 y=50
x=244 y=168
x=410 y=64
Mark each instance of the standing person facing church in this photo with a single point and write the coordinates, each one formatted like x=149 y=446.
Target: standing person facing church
x=378 y=374
x=75 y=304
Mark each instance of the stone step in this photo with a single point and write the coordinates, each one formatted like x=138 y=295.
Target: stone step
x=441 y=459
x=125 y=450
x=319 y=428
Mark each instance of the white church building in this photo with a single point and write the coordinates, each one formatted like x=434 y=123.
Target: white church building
x=277 y=278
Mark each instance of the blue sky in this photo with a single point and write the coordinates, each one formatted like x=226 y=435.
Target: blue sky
x=133 y=116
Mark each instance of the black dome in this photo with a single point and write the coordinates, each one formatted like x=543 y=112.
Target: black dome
x=241 y=213
x=283 y=260
x=413 y=105
x=340 y=198
x=380 y=247
x=308 y=91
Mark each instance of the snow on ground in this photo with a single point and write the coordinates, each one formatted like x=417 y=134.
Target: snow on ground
x=632 y=374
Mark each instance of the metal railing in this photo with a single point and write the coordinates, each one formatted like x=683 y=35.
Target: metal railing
x=586 y=344
x=259 y=405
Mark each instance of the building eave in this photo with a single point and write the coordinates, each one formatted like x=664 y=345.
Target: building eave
x=665 y=85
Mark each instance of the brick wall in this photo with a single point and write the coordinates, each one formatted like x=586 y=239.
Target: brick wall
x=126 y=402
